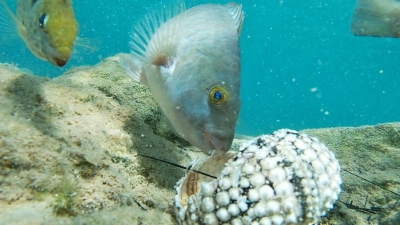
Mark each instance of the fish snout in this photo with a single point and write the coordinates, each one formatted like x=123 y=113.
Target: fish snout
x=63 y=55
x=220 y=140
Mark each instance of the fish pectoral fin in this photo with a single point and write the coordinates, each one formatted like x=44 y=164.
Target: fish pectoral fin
x=133 y=68
x=237 y=14
x=89 y=45
x=9 y=24
x=375 y=18
x=165 y=64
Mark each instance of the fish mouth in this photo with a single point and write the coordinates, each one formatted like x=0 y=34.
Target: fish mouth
x=60 y=62
x=220 y=141
x=62 y=56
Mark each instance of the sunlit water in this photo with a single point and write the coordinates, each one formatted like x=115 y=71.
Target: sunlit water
x=301 y=66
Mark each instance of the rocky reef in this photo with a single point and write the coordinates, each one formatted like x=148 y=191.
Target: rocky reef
x=70 y=154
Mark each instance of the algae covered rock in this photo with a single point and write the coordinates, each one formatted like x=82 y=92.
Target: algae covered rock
x=68 y=147
x=70 y=154
x=371 y=153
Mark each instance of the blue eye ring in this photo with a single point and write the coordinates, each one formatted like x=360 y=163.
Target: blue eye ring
x=218 y=95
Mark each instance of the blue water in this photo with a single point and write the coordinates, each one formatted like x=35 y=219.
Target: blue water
x=301 y=66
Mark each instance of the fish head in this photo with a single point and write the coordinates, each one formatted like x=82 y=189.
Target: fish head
x=56 y=22
x=191 y=63
x=206 y=112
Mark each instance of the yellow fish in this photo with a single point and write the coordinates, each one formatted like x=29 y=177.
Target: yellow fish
x=378 y=18
x=190 y=60
x=48 y=28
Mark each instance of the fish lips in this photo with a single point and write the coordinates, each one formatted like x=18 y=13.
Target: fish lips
x=220 y=140
x=62 y=56
x=59 y=62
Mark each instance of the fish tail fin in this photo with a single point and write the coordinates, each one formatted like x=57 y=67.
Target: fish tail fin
x=132 y=67
x=238 y=15
x=376 y=18
x=8 y=23
x=143 y=31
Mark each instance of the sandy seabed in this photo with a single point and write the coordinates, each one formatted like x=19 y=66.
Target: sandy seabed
x=69 y=154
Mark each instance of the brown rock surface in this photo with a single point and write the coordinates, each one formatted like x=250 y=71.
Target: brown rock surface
x=69 y=154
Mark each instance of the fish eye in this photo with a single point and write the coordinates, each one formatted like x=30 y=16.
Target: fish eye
x=218 y=95
x=42 y=20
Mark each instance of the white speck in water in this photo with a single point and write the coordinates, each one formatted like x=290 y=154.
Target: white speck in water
x=326 y=113
x=314 y=89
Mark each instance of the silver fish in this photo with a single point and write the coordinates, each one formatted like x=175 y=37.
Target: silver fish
x=377 y=18
x=190 y=60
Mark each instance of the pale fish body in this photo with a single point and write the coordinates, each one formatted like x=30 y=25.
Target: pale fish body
x=48 y=28
x=191 y=63
x=378 y=18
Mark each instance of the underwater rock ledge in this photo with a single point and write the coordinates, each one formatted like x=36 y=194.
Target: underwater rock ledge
x=69 y=153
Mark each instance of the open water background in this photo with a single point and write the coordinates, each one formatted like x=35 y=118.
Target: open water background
x=301 y=66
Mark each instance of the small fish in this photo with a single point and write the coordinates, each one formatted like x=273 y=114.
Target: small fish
x=378 y=18
x=190 y=60
x=48 y=27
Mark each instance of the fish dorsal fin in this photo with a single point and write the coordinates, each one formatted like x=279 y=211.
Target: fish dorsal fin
x=144 y=30
x=237 y=14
